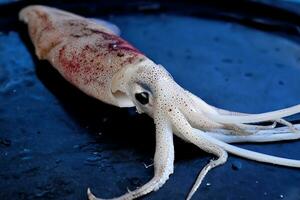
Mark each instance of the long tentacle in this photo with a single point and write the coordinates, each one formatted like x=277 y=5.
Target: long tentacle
x=238 y=128
x=257 y=127
x=235 y=117
x=252 y=119
x=251 y=155
x=279 y=121
x=184 y=130
x=269 y=116
x=163 y=161
x=260 y=157
x=200 y=121
x=274 y=135
x=288 y=124
x=248 y=130
x=222 y=157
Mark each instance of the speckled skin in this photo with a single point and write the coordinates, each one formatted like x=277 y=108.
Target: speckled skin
x=85 y=53
x=106 y=67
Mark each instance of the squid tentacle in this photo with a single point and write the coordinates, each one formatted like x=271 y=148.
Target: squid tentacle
x=279 y=121
x=255 y=138
x=288 y=124
x=222 y=158
x=257 y=127
x=242 y=129
x=248 y=130
x=200 y=121
x=183 y=129
x=230 y=117
x=248 y=154
x=254 y=118
x=239 y=119
x=163 y=162
x=274 y=135
x=211 y=145
x=260 y=157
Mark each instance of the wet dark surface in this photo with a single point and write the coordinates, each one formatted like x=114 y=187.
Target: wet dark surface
x=55 y=141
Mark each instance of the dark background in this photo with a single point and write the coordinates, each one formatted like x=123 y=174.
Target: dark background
x=55 y=141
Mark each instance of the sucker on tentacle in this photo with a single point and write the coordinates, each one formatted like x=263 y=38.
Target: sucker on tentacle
x=97 y=61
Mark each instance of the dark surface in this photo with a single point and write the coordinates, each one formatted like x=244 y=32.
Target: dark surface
x=55 y=141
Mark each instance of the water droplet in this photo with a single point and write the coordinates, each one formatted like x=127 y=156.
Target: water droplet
x=208 y=184
x=26 y=150
x=25 y=154
x=40 y=194
x=26 y=158
x=92 y=160
x=281 y=196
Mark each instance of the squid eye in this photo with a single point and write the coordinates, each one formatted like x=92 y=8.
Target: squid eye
x=142 y=97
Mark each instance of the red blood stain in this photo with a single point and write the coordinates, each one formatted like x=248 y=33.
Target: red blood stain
x=88 y=62
x=70 y=66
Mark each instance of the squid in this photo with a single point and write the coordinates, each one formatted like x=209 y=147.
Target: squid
x=95 y=59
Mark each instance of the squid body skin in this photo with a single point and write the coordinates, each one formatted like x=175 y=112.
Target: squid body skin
x=96 y=60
